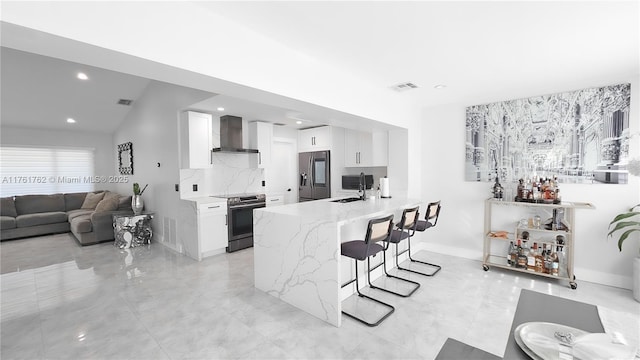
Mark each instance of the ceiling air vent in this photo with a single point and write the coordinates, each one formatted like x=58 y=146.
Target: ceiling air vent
x=279 y=124
x=125 y=102
x=404 y=86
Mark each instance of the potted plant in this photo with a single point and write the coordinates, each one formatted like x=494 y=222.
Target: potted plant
x=136 y=200
x=625 y=224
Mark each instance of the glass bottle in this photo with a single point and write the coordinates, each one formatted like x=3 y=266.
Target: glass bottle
x=510 y=253
x=514 y=254
x=540 y=259
x=555 y=263
x=562 y=256
x=537 y=221
x=548 y=260
x=531 y=258
x=521 y=261
x=520 y=192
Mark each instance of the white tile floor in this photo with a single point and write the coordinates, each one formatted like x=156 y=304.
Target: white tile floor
x=64 y=301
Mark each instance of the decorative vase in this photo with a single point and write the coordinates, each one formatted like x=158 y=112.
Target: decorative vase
x=636 y=278
x=137 y=204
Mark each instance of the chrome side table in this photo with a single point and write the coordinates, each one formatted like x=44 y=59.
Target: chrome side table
x=132 y=230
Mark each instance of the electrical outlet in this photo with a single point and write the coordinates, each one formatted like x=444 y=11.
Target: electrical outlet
x=177 y=187
x=195 y=187
x=262 y=183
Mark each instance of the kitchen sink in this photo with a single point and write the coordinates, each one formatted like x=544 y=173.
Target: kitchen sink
x=347 y=200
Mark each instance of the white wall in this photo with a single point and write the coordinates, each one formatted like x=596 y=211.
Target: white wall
x=104 y=151
x=152 y=127
x=460 y=228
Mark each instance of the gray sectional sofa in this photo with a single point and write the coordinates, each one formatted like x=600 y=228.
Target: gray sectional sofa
x=87 y=215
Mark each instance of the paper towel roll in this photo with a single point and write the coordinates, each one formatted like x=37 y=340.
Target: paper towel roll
x=384 y=187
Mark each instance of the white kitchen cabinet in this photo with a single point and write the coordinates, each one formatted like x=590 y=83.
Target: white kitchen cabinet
x=380 y=148
x=196 y=140
x=261 y=138
x=315 y=139
x=363 y=149
x=274 y=200
x=212 y=229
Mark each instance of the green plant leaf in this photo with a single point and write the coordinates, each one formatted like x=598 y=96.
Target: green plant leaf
x=624 y=236
x=622 y=225
x=623 y=216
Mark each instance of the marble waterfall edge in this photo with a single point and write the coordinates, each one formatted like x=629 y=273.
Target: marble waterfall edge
x=301 y=264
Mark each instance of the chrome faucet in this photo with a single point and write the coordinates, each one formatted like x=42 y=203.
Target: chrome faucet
x=363 y=186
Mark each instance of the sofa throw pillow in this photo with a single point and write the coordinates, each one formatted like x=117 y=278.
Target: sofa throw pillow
x=109 y=195
x=125 y=203
x=108 y=204
x=8 y=207
x=92 y=200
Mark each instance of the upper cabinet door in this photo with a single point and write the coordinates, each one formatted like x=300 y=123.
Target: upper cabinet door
x=380 y=148
x=261 y=138
x=352 y=148
x=363 y=149
x=195 y=140
x=314 y=139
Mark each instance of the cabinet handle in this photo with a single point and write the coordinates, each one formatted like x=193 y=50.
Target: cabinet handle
x=214 y=207
x=260 y=158
x=225 y=220
x=211 y=157
x=274 y=199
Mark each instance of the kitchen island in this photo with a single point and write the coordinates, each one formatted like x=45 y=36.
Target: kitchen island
x=297 y=250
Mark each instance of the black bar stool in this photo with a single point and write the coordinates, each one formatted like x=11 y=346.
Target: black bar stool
x=411 y=224
x=384 y=262
x=378 y=230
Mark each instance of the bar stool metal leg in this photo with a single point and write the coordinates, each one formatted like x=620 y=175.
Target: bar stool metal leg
x=384 y=267
x=437 y=267
x=376 y=323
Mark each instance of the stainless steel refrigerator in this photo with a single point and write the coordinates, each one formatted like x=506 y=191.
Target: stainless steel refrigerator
x=315 y=175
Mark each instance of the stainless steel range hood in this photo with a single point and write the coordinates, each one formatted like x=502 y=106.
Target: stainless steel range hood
x=231 y=135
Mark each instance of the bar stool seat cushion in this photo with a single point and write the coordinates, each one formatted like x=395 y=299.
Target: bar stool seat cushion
x=397 y=236
x=357 y=249
x=423 y=225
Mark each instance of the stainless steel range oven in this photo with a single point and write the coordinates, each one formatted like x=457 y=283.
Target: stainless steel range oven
x=240 y=214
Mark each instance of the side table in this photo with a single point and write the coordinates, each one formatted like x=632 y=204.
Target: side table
x=132 y=230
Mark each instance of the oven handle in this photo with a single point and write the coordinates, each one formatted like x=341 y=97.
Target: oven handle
x=254 y=205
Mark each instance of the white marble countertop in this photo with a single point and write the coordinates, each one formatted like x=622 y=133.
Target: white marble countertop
x=206 y=200
x=342 y=213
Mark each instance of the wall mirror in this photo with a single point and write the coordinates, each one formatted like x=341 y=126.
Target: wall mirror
x=125 y=158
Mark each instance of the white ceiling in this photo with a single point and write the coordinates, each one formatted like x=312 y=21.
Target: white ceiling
x=42 y=92
x=482 y=52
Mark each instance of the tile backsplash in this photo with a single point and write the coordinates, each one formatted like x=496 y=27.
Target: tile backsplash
x=229 y=174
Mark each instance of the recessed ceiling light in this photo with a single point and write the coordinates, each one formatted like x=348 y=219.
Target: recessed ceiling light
x=220 y=109
x=82 y=76
x=298 y=122
x=71 y=121
x=440 y=86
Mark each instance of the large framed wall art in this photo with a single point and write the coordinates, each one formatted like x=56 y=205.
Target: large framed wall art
x=579 y=137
